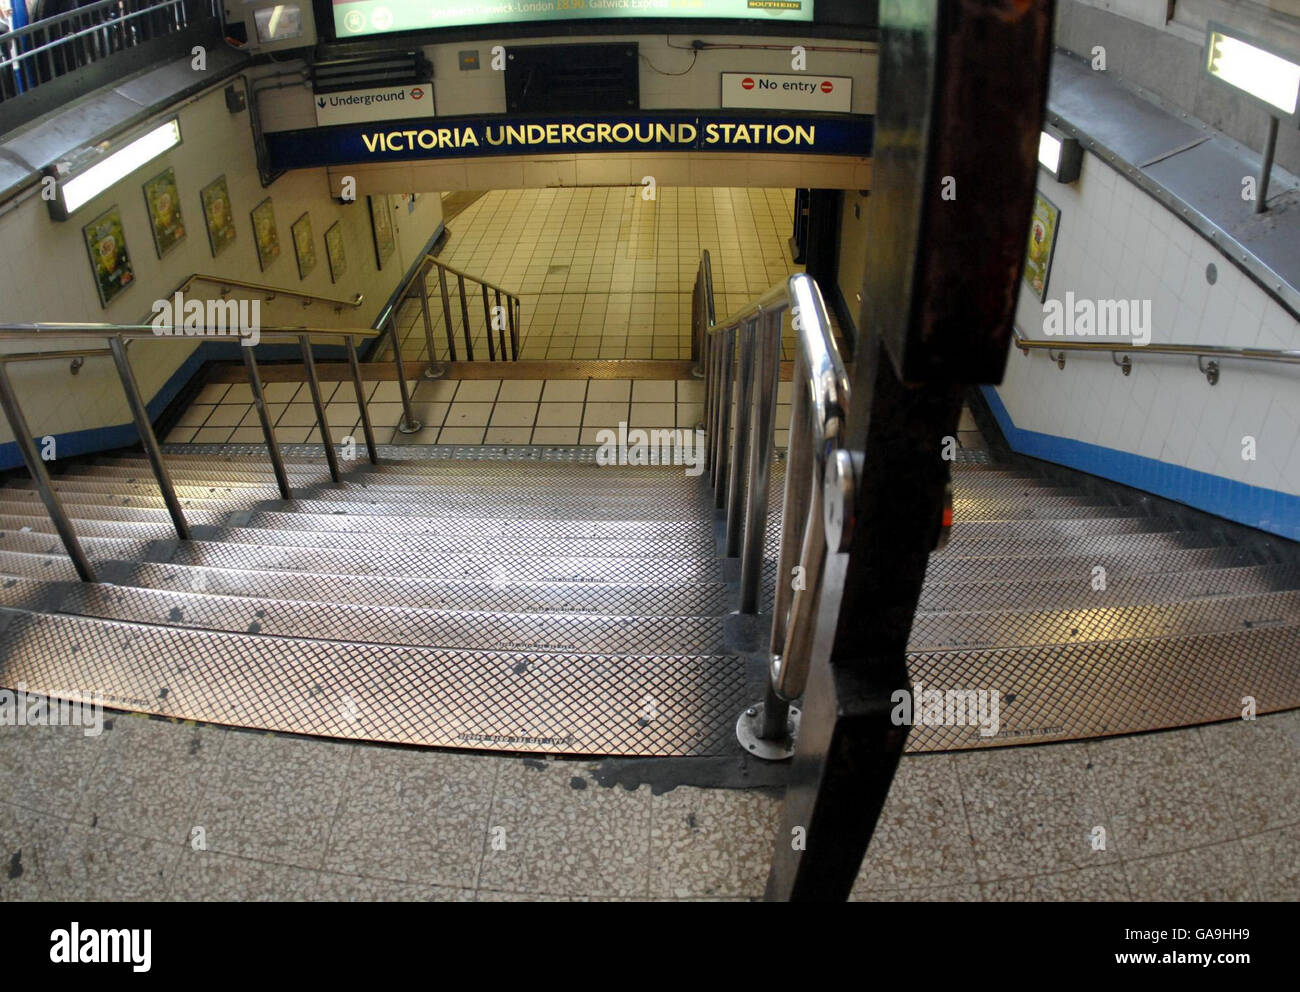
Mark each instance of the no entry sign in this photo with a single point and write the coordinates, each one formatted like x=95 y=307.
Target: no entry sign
x=787 y=91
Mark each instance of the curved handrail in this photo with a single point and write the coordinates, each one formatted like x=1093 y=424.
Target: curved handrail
x=817 y=476
x=826 y=379
x=355 y=303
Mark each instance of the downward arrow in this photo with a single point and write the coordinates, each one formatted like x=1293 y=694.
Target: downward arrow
x=321 y=103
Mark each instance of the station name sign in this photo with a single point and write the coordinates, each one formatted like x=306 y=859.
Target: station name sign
x=475 y=138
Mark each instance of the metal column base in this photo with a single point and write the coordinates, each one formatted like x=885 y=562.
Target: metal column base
x=436 y=371
x=749 y=725
x=409 y=427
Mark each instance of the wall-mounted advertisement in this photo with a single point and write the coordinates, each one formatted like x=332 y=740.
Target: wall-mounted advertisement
x=358 y=18
x=1042 y=242
x=106 y=242
x=164 y=205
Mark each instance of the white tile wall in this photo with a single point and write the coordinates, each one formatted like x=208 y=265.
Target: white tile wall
x=47 y=276
x=1116 y=242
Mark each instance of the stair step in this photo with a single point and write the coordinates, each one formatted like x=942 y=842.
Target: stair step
x=479 y=468
x=974 y=531
x=145 y=530
x=449 y=526
x=27 y=514
x=480 y=631
x=1001 y=628
x=415 y=498
x=488 y=568
x=1100 y=545
x=458 y=595
x=1045 y=509
x=1076 y=593
x=1068 y=691
x=385 y=475
x=1080 y=567
x=35 y=543
x=561 y=703
x=512 y=546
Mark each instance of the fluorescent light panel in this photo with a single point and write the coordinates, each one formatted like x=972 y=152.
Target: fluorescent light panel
x=1049 y=152
x=1260 y=73
x=85 y=186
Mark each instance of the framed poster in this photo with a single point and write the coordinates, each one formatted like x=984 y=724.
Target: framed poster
x=1043 y=226
x=164 y=205
x=381 y=223
x=218 y=217
x=265 y=234
x=334 y=251
x=106 y=242
x=303 y=248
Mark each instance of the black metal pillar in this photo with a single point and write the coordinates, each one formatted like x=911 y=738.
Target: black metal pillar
x=961 y=95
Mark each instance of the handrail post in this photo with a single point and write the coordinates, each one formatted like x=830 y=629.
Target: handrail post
x=435 y=369
x=740 y=440
x=313 y=383
x=53 y=505
x=487 y=319
x=800 y=485
x=446 y=316
x=272 y=445
x=514 y=316
x=767 y=368
x=698 y=329
x=726 y=405
x=147 y=438
x=408 y=423
x=464 y=316
x=355 y=366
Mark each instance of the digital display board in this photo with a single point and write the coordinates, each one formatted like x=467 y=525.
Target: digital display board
x=359 y=18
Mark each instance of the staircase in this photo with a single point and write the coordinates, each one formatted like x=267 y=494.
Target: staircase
x=528 y=599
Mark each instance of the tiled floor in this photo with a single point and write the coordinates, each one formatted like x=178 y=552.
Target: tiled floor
x=478 y=411
x=604 y=273
x=152 y=809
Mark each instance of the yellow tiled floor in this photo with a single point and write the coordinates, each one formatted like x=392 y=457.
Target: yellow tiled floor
x=602 y=272
x=478 y=411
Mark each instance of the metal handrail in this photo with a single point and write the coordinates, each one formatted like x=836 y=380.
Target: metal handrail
x=740 y=458
x=416 y=286
x=119 y=336
x=271 y=292
x=1217 y=352
x=45 y=49
x=131 y=332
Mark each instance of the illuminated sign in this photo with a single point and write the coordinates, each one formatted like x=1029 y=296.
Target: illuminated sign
x=357 y=18
x=477 y=138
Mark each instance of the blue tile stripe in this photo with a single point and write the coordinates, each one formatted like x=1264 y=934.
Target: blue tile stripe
x=1267 y=509
x=96 y=439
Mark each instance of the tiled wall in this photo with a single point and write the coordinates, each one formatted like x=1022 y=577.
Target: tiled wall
x=1116 y=242
x=47 y=275
x=670 y=79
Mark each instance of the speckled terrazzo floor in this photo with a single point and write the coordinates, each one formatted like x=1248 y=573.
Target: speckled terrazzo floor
x=151 y=809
